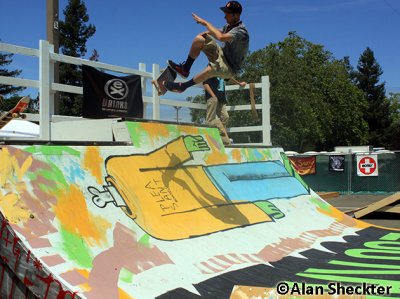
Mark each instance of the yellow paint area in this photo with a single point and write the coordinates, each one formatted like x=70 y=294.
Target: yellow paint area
x=9 y=166
x=14 y=208
x=124 y=295
x=237 y=155
x=215 y=155
x=155 y=130
x=172 y=201
x=73 y=214
x=93 y=161
x=342 y=217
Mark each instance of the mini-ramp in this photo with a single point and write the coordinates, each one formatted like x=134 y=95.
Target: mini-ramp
x=178 y=215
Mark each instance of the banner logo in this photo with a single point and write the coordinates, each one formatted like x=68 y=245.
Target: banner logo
x=367 y=165
x=116 y=89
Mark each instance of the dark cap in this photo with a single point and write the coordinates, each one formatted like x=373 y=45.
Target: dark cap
x=232 y=7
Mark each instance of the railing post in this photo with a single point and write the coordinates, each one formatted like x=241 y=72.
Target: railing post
x=156 y=97
x=142 y=67
x=44 y=89
x=266 y=110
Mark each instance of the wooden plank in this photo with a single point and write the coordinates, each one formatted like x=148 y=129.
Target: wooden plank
x=390 y=209
x=326 y=195
x=377 y=205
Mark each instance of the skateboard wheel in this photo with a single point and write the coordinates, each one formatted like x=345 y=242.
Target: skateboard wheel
x=23 y=116
x=14 y=115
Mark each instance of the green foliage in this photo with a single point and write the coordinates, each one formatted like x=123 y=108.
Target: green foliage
x=198 y=116
x=314 y=105
x=377 y=113
x=394 y=131
x=5 y=60
x=74 y=33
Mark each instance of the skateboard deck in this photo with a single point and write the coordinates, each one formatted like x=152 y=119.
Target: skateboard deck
x=167 y=74
x=16 y=112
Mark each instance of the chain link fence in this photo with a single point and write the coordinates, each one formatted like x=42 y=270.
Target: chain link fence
x=348 y=181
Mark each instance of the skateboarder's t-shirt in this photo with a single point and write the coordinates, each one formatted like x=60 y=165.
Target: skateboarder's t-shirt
x=217 y=85
x=236 y=50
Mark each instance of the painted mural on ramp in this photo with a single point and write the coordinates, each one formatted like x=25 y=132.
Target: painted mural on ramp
x=178 y=215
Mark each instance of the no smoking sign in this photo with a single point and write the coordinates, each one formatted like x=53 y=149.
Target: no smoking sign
x=367 y=165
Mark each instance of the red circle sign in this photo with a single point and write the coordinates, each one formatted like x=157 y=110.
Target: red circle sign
x=367 y=165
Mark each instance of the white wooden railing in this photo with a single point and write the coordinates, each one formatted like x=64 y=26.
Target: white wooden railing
x=47 y=88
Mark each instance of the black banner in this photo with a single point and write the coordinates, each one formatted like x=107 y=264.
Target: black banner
x=336 y=163
x=105 y=95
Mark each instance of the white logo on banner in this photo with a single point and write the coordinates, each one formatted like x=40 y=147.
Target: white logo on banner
x=367 y=165
x=116 y=89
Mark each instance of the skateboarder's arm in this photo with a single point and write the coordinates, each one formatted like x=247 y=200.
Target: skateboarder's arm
x=242 y=84
x=212 y=30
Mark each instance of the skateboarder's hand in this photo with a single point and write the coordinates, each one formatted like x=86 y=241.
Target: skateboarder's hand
x=196 y=143
x=199 y=20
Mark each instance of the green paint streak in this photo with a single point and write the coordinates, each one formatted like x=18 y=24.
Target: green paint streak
x=126 y=276
x=134 y=132
x=145 y=240
x=391 y=237
x=270 y=209
x=76 y=249
x=292 y=172
x=383 y=245
x=54 y=174
x=361 y=253
x=363 y=265
x=351 y=272
x=321 y=204
x=54 y=150
x=174 y=131
x=383 y=282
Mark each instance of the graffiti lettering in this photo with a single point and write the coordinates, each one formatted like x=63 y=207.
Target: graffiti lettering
x=26 y=268
x=162 y=195
x=386 y=249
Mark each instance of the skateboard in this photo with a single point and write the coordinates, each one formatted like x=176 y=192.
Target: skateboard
x=16 y=112
x=167 y=74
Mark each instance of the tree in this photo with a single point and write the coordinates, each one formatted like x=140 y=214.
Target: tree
x=74 y=33
x=198 y=116
x=314 y=104
x=377 y=113
x=5 y=60
x=394 y=100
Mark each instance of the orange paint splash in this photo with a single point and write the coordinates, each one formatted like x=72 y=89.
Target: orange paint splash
x=72 y=212
x=237 y=155
x=155 y=130
x=92 y=162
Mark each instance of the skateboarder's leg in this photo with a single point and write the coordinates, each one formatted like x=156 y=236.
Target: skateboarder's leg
x=212 y=104
x=183 y=69
x=198 y=78
x=222 y=113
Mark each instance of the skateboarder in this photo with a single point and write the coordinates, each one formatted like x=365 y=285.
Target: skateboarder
x=216 y=105
x=224 y=62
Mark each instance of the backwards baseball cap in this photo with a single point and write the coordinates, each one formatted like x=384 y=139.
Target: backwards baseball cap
x=232 y=7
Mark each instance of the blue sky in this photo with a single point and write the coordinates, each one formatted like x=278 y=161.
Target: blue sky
x=152 y=31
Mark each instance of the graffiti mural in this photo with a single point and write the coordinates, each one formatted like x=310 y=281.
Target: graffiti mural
x=177 y=215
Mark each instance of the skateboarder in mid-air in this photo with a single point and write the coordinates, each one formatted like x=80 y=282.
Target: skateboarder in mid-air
x=224 y=62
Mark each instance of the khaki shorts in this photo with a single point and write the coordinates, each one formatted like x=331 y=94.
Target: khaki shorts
x=217 y=61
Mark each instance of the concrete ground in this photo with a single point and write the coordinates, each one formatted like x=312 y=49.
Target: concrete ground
x=354 y=201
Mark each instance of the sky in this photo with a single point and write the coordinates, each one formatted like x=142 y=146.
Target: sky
x=129 y=32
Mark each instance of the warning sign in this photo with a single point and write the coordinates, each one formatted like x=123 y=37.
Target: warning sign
x=367 y=165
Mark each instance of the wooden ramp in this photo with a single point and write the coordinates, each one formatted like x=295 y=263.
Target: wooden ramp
x=386 y=204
